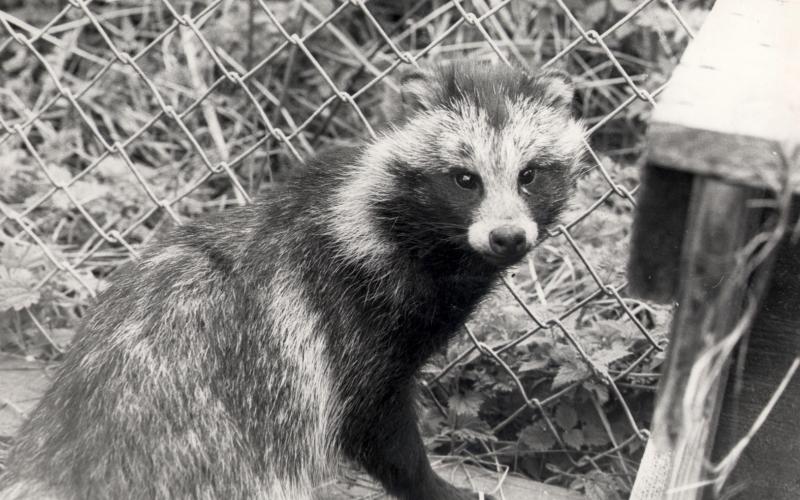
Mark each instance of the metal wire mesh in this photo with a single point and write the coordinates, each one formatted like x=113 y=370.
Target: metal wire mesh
x=307 y=77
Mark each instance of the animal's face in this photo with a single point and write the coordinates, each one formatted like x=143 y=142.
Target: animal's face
x=483 y=159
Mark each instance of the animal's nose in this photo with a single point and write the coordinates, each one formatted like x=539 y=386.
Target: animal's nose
x=508 y=241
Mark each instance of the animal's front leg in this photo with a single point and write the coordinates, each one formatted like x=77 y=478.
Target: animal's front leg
x=388 y=445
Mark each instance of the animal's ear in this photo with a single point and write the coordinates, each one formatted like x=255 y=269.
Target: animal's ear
x=557 y=86
x=415 y=90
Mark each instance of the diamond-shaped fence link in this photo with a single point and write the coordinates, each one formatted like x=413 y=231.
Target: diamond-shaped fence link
x=120 y=118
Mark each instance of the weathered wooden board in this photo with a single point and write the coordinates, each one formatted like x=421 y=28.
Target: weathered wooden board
x=770 y=465
x=732 y=107
x=731 y=113
x=710 y=291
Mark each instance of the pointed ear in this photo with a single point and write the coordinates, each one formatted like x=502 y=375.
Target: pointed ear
x=415 y=90
x=558 y=87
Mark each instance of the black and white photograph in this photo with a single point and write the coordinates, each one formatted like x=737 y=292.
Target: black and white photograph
x=399 y=249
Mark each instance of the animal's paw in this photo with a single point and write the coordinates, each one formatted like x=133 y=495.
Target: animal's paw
x=474 y=495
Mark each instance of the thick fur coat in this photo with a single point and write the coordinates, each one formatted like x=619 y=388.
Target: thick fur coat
x=244 y=354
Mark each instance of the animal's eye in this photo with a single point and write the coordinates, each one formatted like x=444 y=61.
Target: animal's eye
x=527 y=176
x=466 y=180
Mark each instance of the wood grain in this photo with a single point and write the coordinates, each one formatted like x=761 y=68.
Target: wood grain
x=732 y=107
x=770 y=465
x=710 y=295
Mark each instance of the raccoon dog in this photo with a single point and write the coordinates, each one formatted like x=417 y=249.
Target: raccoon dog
x=245 y=354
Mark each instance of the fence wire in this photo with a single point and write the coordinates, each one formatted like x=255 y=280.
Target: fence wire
x=254 y=92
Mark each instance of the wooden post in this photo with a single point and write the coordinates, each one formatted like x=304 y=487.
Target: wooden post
x=710 y=293
x=728 y=122
x=769 y=468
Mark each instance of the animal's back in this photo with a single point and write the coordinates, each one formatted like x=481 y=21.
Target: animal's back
x=159 y=395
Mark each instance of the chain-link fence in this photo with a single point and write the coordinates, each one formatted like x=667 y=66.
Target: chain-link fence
x=118 y=119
